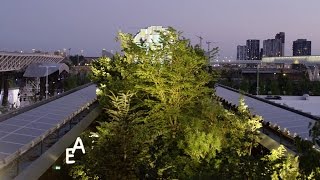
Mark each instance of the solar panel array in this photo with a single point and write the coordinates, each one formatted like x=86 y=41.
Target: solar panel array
x=294 y=123
x=21 y=132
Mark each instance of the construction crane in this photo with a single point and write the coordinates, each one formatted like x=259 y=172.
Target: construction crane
x=208 y=43
x=200 y=38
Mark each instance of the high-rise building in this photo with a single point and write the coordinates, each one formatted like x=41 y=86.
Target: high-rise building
x=253 y=49
x=272 y=48
x=301 y=47
x=281 y=36
x=241 y=52
x=261 y=53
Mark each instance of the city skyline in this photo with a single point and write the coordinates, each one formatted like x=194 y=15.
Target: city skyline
x=93 y=25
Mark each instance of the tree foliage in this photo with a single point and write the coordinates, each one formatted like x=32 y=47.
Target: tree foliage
x=282 y=166
x=163 y=122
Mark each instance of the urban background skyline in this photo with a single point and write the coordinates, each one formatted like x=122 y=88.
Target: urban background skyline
x=274 y=47
x=92 y=25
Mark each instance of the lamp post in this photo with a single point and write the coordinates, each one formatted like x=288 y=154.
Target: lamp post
x=81 y=54
x=257 y=79
x=47 y=79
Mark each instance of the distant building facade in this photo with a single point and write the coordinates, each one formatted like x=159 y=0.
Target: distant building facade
x=253 y=49
x=241 y=52
x=281 y=36
x=274 y=47
x=301 y=47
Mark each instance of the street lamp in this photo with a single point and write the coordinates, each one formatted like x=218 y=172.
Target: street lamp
x=81 y=53
x=47 y=74
x=257 y=90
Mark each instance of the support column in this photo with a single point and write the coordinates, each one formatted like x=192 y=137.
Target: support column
x=1 y=82
x=257 y=90
x=42 y=87
x=5 y=89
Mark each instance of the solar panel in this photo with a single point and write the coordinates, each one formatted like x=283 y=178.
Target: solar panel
x=24 y=129
x=293 y=122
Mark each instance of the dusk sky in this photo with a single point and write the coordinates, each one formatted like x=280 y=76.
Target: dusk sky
x=93 y=24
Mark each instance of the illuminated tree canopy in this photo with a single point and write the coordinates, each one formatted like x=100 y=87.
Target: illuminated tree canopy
x=161 y=120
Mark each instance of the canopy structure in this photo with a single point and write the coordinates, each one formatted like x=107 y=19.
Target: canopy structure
x=40 y=69
x=16 y=61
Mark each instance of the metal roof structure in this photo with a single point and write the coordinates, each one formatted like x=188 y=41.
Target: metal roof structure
x=20 y=133
x=17 y=61
x=286 y=120
x=40 y=70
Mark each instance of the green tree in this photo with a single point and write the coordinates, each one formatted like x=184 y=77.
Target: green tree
x=244 y=85
x=172 y=127
x=282 y=166
x=171 y=85
x=115 y=147
x=274 y=86
x=77 y=60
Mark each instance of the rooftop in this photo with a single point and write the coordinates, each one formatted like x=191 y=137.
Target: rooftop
x=310 y=105
x=294 y=123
